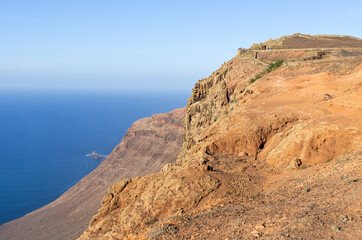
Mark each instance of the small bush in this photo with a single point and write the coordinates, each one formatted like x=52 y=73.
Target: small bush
x=256 y=78
x=346 y=219
x=349 y=180
x=270 y=68
x=307 y=189
x=335 y=228
x=151 y=221
x=274 y=65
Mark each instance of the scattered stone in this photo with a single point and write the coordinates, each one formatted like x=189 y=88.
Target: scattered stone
x=207 y=167
x=107 y=198
x=255 y=233
x=208 y=152
x=295 y=164
x=327 y=97
x=259 y=226
x=243 y=154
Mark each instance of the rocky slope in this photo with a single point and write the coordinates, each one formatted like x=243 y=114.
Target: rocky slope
x=149 y=144
x=279 y=158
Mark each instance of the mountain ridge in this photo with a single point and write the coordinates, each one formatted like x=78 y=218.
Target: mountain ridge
x=243 y=137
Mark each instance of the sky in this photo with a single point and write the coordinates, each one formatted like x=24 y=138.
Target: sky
x=100 y=45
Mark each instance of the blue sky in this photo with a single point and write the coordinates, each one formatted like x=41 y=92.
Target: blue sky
x=92 y=44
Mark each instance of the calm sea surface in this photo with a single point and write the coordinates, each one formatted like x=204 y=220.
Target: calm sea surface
x=44 y=138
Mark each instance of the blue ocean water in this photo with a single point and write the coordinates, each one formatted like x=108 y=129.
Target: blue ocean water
x=44 y=137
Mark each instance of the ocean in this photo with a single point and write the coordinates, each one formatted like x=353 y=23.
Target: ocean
x=45 y=136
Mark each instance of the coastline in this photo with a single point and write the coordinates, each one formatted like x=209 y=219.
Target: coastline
x=67 y=160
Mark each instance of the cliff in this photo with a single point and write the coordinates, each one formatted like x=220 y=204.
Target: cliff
x=268 y=152
x=149 y=144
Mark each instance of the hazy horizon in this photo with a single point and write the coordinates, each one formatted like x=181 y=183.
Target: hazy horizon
x=146 y=45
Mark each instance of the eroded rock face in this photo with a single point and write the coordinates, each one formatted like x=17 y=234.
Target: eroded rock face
x=146 y=200
x=149 y=144
x=211 y=96
x=237 y=135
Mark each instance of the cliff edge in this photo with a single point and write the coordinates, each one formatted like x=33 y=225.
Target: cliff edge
x=272 y=149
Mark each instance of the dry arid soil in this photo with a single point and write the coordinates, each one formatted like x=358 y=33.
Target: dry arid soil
x=279 y=158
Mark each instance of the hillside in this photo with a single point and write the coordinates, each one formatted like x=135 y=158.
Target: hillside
x=298 y=40
x=271 y=150
x=149 y=144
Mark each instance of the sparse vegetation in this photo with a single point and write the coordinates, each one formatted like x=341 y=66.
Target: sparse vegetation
x=307 y=189
x=349 y=180
x=346 y=219
x=272 y=66
x=234 y=100
x=335 y=228
x=240 y=160
x=151 y=221
x=256 y=78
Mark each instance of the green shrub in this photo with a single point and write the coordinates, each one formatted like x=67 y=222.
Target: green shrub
x=335 y=228
x=271 y=67
x=349 y=180
x=274 y=65
x=256 y=78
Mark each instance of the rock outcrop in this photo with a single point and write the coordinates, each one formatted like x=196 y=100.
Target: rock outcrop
x=149 y=144
x=242 y=143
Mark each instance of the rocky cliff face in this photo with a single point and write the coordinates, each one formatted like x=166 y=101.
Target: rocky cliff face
x=244 y=145
x=149 y=144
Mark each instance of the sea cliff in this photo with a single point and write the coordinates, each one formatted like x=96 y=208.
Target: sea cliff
x=270 y=150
